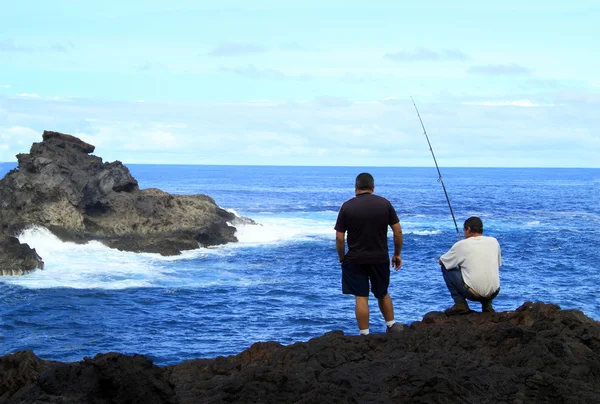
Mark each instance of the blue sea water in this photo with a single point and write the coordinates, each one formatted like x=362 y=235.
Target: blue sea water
x=281 y=281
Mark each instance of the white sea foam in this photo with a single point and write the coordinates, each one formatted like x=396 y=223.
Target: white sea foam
x=90 y=265
x=422 y=232
x=275 y=230
x=230 y=210
x=95 y=266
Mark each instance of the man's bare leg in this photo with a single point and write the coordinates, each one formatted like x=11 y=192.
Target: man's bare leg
x=362 y=312
x=386 y=307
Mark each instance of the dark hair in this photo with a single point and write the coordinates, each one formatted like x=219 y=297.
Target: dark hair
x=475 y=224
x=364 y=181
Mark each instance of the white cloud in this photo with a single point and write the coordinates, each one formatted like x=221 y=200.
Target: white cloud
x=15 y=140
x=153 y=140
x=500 y=70
x=517 y=103
x=27 y=95
x=268 y=132
x=35 y=96
x=253 y=72
x=292 y=47
x=237 y=49
x=9 y=45
x=5 y=86
x=423 y=54
x=335 y=102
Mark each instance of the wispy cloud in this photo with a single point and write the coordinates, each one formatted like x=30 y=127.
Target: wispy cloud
x=5 y=86
x=34 y=96
x=391 y=100
x=426 y=55
x=292 y=46
x=237 y=49
x=333 y=102
x=324 y=131
x=516 y=103
x=29 y=95
x=8 y=45
x=254 y=72
x=148 y=66
x=579 y=96
x=62 y=48
x=16 y=139
x=500 y=70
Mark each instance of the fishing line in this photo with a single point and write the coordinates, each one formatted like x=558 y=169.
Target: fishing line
x=438 y=169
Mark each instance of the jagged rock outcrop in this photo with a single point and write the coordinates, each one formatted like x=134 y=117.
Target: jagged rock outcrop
x=536 y=354
x=60 y=186
x=17 y=258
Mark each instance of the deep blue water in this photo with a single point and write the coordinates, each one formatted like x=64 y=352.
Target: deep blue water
x=282 y=280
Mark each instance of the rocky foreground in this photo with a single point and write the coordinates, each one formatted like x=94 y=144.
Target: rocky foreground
x=536 y=354
x=60 y=185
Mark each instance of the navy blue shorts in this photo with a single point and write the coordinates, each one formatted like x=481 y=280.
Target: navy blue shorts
x=356 y=278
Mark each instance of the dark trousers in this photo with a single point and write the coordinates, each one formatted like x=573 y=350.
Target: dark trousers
x=458 y=290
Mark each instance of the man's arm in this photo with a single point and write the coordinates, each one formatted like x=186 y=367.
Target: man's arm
x=340 y=244
x=450 y=259
x=499 y=256
x=397 y=259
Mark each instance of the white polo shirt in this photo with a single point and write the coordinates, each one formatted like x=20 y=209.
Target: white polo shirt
x=479 y=258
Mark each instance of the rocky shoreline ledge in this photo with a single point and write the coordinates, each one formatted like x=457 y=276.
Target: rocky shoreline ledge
x=535 y=354
x=59 y=185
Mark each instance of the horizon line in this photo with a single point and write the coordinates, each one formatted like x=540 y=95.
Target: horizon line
x=344 y=166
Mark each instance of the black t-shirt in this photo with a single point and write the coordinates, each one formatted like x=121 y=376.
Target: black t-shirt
x=366 y=218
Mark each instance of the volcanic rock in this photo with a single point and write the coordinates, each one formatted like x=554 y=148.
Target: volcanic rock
x=17 y=258
x=535 y=354
x=60 y=186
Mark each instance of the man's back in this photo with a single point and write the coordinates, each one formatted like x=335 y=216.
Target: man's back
x=366 y=218
x=479 y=259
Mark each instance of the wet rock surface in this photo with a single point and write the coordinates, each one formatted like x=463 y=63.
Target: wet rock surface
x=535 y=354
x=17 y=258
x=60 y=186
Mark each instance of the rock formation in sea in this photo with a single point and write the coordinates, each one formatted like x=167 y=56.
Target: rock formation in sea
x=17 y=258
x=61 y=186
x=535 y=354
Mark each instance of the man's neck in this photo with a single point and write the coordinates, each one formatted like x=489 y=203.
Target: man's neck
x=363 y=191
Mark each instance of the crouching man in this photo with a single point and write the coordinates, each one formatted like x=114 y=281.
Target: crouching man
x=471 y=269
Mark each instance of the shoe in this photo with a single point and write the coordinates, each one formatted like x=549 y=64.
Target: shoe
x=459 y=308
x=395 y=328
x=486 y=307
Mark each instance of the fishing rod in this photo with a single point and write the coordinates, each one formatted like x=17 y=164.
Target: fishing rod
x=438 y=169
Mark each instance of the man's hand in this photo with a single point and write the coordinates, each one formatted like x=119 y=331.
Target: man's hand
x=397 y=262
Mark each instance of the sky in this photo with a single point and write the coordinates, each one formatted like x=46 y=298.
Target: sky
x=327 y=83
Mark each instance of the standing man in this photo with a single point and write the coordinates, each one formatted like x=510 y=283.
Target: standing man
x=366 y=218
x=471 y=269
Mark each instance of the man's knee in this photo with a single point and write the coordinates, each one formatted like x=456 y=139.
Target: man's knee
x=362 y=299
x=383 y=298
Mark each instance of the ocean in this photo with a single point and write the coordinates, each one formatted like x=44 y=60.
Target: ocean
x=281 y=281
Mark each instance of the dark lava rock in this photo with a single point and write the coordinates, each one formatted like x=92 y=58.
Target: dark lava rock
x=536 y=354
x=17 y=258
x=60 y=186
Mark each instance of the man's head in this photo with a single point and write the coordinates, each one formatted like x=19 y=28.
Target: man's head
x=364 y=182
x=473 y=225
